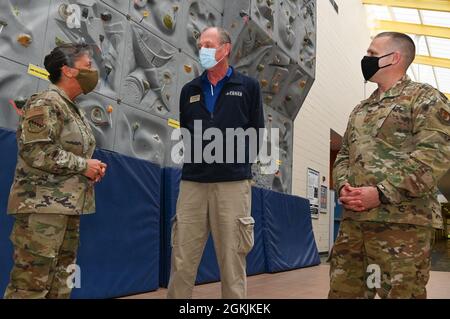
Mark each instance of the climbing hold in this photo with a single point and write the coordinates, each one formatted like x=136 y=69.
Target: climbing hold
x=59 y=41
x=302 y=84
x=85 y=13
x=146 y=85
x=275 y=87
x=195 y=34
x=135 y=127
x=260 y=67
x=168 y=22
x=243 y=14
x=264 y=83
x=109 y=109
x=97 y=116
x=24 y=39
x=108 y=69
x=2 y=25
x=187 y=68
x=139 y=4
x=16 y=11
x=106 y=16
x=62 y=10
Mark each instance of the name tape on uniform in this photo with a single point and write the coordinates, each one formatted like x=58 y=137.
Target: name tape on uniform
x=173 y=123
x=38 y=72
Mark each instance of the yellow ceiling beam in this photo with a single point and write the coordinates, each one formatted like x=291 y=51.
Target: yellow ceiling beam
x=434 y=5
x=433 y=61
x=447 y=95
x=412 y=28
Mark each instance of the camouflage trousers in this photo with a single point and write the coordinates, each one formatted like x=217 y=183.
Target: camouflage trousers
x=392 y=260
x=44 y=246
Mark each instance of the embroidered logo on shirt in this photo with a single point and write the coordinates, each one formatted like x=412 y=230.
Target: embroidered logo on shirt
x=194 y=98
x=234 y=93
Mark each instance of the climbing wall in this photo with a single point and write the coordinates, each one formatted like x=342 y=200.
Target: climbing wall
x=146 y=51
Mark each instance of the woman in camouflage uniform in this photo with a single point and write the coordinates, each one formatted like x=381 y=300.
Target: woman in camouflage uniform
x=54 y=178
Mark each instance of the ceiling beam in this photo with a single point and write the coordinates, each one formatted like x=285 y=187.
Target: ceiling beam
x=412 y=28
x=447 y=95
x=434 y=5
x=433 y=61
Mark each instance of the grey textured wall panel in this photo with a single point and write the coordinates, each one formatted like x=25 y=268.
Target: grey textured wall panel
x=123 y=6
x=218 y=4
x=307 y=36
x=150 y=73
x=103 y=123
x=281 y=181
x=146 y=50
x=175 y=21
x=100 y=26
x=142 y=135
x=15 y=87
x=24 y=24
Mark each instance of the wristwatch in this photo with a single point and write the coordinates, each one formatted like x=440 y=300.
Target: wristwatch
x=381 y=196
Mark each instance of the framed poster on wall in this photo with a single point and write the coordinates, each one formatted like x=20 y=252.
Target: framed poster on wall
x=323 y=199
x=312 y=187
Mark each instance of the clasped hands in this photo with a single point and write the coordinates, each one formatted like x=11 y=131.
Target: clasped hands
x=359 y=199
x=95 y=170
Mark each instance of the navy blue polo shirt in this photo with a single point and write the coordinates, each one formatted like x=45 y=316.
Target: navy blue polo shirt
x=212 y=92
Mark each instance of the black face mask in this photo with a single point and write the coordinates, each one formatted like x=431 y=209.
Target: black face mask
x=370 y=66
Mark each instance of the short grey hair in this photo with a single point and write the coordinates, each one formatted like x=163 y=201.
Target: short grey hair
x=223 y=34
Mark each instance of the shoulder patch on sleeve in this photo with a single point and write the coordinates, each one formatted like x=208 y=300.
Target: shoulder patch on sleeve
x=35 y=127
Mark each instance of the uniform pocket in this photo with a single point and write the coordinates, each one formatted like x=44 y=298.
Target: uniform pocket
x=246 y=234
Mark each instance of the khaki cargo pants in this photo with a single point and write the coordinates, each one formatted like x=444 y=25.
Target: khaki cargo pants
x=44 y=246
x=224 y=209
x=392 y=260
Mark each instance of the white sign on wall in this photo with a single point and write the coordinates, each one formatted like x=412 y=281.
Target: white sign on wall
x=313 y=188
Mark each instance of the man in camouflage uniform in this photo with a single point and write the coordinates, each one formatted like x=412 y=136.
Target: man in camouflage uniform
x=395 y=150
x=54 y=177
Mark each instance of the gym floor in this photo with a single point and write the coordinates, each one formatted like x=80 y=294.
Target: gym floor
x=313 y=283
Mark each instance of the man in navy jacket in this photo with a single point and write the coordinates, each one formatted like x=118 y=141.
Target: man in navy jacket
x=222 y=116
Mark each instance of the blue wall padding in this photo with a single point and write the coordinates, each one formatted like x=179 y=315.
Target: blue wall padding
x=8 y=160
x=288 y=234
x=119 y=252
x=170 y=183
x=119 y=246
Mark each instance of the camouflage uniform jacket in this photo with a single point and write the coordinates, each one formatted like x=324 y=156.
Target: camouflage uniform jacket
x=54 y=140
x=400 y=142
